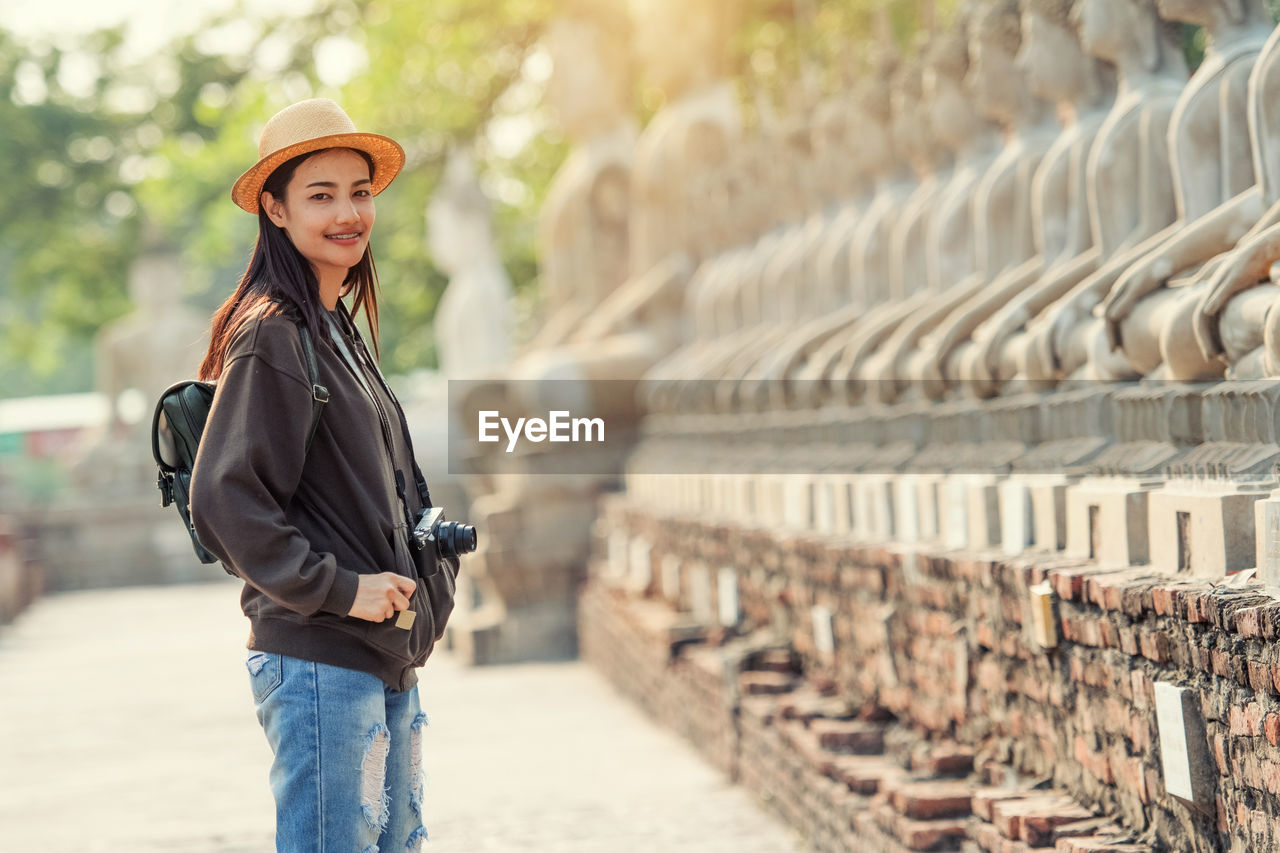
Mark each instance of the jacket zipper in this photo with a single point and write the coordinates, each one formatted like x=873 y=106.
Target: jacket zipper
x=383 y=421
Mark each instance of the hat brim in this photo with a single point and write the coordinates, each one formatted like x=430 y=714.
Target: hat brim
x=387 y=155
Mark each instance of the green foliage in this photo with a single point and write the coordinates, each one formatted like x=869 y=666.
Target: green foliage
x=146 y=150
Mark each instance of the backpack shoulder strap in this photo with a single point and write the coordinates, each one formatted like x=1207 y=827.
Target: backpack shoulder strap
x=319 y=393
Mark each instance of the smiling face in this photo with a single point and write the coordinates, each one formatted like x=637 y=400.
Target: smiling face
x=327 y=211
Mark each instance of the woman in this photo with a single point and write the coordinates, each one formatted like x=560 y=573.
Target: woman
x=317 y=526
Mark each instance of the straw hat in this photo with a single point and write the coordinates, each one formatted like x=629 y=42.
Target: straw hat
x=311 y=126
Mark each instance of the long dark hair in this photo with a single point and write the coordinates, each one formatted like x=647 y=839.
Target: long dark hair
x=280 y=279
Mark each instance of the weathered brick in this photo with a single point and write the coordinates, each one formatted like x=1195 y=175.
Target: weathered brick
x=766 y=683
x=1162 y=600
x=1260 y=677
x=1154 y=646
x=985 y=798
x=1271 y=728
x=933 y=800
x=848 y=736
x=928 y=834
x=1249 y=622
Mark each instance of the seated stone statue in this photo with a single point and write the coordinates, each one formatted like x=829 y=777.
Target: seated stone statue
x=583 y=224
x=723 y=313
x=473 y=322
x=1038 y=178
x=1121 y=183
x=888 y=273
x=1234 y=321
x=950 y=242
x=135 y=358
x=838 y=303
x=1210 y=156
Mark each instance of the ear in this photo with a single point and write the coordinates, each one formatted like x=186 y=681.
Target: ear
x=274 y=208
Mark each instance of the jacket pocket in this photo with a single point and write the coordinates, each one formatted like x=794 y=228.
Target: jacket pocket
x=415 y=642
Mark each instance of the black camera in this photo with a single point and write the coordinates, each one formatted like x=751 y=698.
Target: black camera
x=448 y=538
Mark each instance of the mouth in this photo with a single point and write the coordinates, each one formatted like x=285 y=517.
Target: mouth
x=343 y=238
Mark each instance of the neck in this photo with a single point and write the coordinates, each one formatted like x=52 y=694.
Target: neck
x=1132 y=73
x=974 y=143
x=1031 y=112
x=331 y=288
x=1220 y=33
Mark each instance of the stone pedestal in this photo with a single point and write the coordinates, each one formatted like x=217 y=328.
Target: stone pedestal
x=1266 y=521
x=832 y=504
x=1107 y=520
x=1033 y=512
x=874 y=511
x=983 y=509
x=1204 y=529
x=907 y=496
x=930 y=499
x=1049 y=510
x=1017 y=515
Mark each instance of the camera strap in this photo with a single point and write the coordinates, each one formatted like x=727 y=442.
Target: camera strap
x=421 y=482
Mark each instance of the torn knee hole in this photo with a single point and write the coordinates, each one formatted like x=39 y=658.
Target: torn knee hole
x=374 y=802
x=416 y=780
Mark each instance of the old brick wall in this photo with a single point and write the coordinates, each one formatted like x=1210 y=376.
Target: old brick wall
x=931 y=717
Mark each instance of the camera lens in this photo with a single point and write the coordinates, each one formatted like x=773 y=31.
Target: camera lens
x=456 y=538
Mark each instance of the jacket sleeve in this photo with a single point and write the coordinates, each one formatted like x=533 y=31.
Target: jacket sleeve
x=248 y=467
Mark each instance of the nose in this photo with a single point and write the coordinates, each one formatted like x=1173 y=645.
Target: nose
x=348 y=212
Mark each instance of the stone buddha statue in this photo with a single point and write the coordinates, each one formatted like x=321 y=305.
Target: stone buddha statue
x=1210 y=156
x=641 y=321
x=157 y=343
x=722 y=315
x=887 y=270
x=135 y=358
x=851 y=241
x=1149 y=317
x=583 y=234
x=950 y=244
x=474 y=320
x=1120 y=181
x=790 y=295
x=1234 y=321
x=519 y=602
x=1038 y=177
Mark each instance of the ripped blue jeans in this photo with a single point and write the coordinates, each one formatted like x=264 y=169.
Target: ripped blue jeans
x=347 y=774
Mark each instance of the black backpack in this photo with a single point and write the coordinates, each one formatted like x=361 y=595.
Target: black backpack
x=178 y=423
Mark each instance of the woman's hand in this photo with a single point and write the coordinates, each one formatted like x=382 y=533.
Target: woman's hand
x=378 y=597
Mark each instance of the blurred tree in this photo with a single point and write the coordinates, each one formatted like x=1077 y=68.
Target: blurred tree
x=95 y=144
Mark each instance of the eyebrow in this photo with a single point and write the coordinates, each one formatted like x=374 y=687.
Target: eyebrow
x=334 y=185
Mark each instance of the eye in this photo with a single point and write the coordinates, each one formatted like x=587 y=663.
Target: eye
x=320 y=197
x=364 y=194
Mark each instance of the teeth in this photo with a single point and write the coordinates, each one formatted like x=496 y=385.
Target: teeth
x=342 y=236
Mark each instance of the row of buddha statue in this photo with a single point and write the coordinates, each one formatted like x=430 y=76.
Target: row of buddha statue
x=1042 y=194
x=1039 y=201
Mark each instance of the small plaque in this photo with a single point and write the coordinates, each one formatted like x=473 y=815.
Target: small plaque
x=639 y=565
x=618 y=555
x=700 y=594
x=671 y=577
x=1043 y=626
x=727 y=596
x=824 y=637
x=405 y=619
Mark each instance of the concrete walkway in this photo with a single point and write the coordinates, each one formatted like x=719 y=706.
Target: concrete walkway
x=126 y=725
